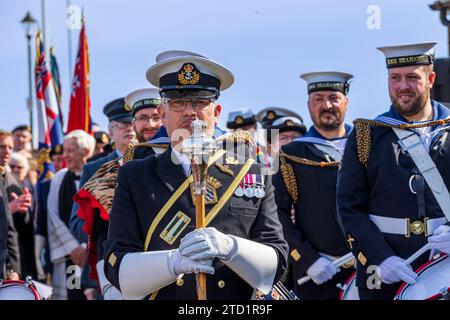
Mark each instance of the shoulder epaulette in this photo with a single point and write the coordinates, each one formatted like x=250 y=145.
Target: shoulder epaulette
x=289 y=178
x=238 y=136
x=364 y=137
x=363 y=140
x=43 y=158
x=131 y=149
x=288 y=172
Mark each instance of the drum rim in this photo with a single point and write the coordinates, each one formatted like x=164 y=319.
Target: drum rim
x=419 y=270
x=29 y=285
x=346 y=284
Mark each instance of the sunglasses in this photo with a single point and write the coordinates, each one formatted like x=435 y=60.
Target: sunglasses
x=13 y=166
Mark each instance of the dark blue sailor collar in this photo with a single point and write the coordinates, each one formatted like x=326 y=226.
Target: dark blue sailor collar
x=394 y=117
x=314 y=136
x=312 y=132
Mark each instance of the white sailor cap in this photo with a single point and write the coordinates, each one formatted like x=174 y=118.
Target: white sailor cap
x=409 y=54
x=288 y=121
x=170 y=54
x=181 y=70
x=268 y=115
x=327 y=80
x=143 y=98
x=288 y=124
x=240 y=117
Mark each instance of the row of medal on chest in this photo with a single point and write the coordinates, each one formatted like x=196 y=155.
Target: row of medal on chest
x=252 y=186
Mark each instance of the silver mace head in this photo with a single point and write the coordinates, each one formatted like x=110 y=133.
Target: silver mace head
x=198 y=148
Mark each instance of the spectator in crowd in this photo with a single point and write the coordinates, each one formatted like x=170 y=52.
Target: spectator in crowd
x=24 y=220
x=66 y=252
x=22 y=140
x=15 y=202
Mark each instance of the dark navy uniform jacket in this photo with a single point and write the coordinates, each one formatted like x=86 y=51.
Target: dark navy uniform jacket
x=144 y=186
x=3 y=232
x=13 y=256
x=316 y=228
x=42 y=191
x=382 y=188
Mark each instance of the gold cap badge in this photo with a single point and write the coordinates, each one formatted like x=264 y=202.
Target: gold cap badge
x=104 y=138
x=289 y=123
x=271 y=115
x=239 y=120
x=188 y=74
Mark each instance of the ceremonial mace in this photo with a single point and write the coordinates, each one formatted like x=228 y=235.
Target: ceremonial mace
x=199 y=148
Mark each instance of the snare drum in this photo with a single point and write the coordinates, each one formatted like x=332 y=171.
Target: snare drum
x=18 y=290
x=432 y=282
x=349 y=290
x=278 y=292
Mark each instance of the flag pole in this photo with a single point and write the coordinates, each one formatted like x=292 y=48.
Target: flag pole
x=44 y=27
x=69 y=46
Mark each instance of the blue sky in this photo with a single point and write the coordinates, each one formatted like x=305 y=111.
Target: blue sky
x=266 y=44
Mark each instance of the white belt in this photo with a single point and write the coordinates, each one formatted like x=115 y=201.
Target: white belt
x=405 y=226
x=410 y=143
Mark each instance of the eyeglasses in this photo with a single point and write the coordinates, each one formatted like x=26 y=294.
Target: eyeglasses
x=179 y=105
x=145 y=118
x=13 y=166
x=287 y=139
x=122 y=125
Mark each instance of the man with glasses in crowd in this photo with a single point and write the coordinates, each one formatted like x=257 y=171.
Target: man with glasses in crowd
x=283 y=131
x=10 y=260
x=151 y=135
x=153 y=248
x=146 y=120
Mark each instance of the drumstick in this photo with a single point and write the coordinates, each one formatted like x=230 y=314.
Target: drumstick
x=338 y=263
x=417 y=254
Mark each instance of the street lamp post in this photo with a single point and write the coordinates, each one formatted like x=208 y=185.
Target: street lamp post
x=443 y=7
x=29 y=23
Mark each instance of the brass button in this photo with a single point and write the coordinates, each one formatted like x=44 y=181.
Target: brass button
x=180 y=282
x=295 y=255
x=362 y=258
x=417 y=227
x=221 y=284
x=349 y=264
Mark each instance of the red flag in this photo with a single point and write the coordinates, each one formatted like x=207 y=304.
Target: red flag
x=80 y=103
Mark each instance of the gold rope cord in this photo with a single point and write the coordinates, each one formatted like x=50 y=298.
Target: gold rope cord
x=307 y=162
x=289 y=179
x=364 y=138
x=288 y=172
x=131 y=149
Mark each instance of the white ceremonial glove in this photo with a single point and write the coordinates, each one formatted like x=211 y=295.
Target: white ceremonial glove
x=440 y=240
x=207 y=243
x=322 y=270
x=39 y=244
x=110 y=292
x=395 y=269
x=179 y=264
